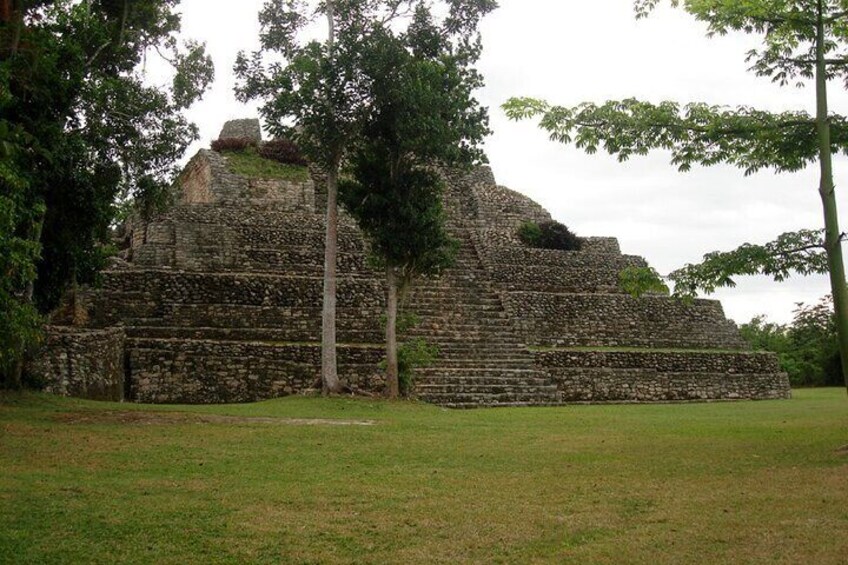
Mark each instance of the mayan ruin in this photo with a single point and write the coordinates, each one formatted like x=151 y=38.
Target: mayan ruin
x=219 y=300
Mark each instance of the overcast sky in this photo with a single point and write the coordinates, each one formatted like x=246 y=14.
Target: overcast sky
x=574 y=51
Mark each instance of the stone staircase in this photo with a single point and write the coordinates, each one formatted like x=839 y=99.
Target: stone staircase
x=481 y=360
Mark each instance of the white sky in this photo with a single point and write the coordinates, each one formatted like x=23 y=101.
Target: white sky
x=570 y=51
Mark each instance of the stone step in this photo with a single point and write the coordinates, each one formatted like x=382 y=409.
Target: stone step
x=500 y=404
x=469 y=399
x=487 y=363
x=493 y=380
x=266 y=335
x=484 y=351
x=447 y=373
x=453 y=389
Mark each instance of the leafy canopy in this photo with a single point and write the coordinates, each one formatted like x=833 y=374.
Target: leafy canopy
x=319 y=93
x=82 y=131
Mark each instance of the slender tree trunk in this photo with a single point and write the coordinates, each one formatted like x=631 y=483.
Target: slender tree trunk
x=833 y=237
x=5 y=11
x=12 y=14
x=329 y=367
x=329 y=370
x=392 y=381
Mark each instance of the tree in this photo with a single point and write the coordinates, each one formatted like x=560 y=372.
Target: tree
x=403 y=219
x=422 y=114
x=808 y=348
x=321 y=94
x=802 y=40
x=80 y=130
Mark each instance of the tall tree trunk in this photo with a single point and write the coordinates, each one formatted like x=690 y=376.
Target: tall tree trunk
x=12 y=14
x=833 y=237
x=329 y=370
x=329 y=367
x=392 y=381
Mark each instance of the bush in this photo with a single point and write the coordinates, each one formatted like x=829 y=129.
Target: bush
x=232 y=144
x=549 y=235
x=530 y=233
x=412 y=354
x=283 y=151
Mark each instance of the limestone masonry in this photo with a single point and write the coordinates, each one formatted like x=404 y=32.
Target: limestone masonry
x=219 y=300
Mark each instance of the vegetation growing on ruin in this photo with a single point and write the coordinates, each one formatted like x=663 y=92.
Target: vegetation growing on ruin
x=706 y=483
x=249 y=163
x=549 y=235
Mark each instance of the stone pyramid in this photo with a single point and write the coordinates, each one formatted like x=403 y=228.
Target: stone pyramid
x=219 y=300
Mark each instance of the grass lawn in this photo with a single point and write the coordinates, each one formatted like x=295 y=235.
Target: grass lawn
x=411 y=483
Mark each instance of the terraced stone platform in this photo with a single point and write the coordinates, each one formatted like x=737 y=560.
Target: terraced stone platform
x=219 y=300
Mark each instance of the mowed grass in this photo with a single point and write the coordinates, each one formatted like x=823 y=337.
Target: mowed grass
x=697 y=483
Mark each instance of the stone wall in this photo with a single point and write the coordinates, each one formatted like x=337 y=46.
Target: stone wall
x=218 y=238
x=543 y=270
x=197 y=372
x=618 y=320
x=287 y=308
x=208 y=179
x=249 y=128
x=651 y=376
x=84 y=363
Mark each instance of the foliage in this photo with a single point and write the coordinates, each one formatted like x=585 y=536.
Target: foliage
x=414 y=353
x=232 y=144
x=549 y=235
x=283 y=151
x=19 y=321
x=404 y=220
x=423 y=113
x=87 y=132
x=808 y=348
x=697 y=133
x=250 y=163
x=419 y=82
x=318 y=94
x=530 y=233
x=637 y=281
x=801 y=252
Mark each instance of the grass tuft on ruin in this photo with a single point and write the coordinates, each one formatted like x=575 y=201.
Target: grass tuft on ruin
x=249 y=163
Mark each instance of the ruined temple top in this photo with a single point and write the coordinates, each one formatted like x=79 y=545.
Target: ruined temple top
x=246 y=128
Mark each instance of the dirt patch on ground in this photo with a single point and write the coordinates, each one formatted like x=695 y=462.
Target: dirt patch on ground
x=164 y=418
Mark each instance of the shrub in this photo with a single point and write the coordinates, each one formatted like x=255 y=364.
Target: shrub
x=412 y=354
x=530 y=233
x=283 y=151
x=549 y=235
x=232 y=144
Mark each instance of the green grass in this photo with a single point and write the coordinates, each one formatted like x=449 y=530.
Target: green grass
x=706 y=483
x=250 y=164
